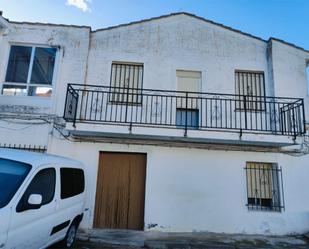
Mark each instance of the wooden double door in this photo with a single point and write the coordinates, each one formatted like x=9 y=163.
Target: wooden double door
x=120 y=194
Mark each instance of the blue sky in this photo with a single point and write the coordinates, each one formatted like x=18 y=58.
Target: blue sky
x=284 y=19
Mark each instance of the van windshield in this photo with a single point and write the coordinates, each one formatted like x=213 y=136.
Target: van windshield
x=12 y=174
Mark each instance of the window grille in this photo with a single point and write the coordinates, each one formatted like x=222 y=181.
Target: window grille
x=126 y=83
x=250 y=90
x=264 y=186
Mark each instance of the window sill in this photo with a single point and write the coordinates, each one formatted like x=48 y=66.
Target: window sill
x=265 y=208
x=24 y=96
x=44 y=102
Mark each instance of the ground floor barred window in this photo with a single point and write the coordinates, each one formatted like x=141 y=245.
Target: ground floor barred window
x=264 y=186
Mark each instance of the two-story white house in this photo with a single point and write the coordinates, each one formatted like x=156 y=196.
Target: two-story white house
x=183 y=124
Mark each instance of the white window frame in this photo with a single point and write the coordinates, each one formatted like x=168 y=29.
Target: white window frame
x=28 y=83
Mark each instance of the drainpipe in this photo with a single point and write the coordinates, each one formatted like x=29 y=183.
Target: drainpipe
x=86 y=69
x=87 y=57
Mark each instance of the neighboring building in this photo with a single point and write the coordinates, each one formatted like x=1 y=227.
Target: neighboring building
x=183 y=124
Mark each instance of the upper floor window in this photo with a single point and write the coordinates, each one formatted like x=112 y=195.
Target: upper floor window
x=126 y=83
x=30 y=71
x=187 y=113
x=250 y=90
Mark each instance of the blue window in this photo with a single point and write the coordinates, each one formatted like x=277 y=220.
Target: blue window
x=189 y=115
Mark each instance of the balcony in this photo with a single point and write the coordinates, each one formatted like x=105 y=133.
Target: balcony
x=187 y=111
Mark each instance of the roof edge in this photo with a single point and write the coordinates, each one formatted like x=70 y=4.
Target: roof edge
x=4 y=22
x=52 y=24
x=7 y=23
x=287 y=43
x=176 y=14
x=45 y=24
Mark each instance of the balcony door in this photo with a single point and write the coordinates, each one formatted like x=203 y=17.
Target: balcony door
x=120 y=193
x=187 y=113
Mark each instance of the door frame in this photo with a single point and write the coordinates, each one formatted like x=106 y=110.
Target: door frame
x=97 y=180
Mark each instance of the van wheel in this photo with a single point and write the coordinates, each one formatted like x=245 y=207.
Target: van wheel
x=70 y=238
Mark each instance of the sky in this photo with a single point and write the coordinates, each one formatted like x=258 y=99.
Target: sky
x=284 y=19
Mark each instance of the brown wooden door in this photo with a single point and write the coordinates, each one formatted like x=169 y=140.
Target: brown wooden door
x=120 y=193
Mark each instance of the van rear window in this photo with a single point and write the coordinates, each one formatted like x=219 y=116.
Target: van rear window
x=72 y=182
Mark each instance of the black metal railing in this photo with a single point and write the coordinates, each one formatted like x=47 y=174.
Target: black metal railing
x=27 y=147
x=184 y=110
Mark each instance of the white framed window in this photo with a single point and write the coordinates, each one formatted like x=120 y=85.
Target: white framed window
x=187 y=112
x=30 y=71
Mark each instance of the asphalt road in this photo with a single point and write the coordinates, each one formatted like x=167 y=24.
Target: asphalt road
x=89 y=245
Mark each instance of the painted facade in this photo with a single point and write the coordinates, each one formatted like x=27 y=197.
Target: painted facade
x=196 y=178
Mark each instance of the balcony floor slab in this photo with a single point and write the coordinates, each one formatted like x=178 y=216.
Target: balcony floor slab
x=173 y=141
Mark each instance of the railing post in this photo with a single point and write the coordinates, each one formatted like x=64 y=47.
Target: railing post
x=281 y=119
x=294 y=122
x=186 y=118
x=245 y=108
x=75 y=113
x=127 y=103
x=71 y=95
x=65 y=103
x=304 y=118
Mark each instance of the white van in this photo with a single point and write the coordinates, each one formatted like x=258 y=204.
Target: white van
x=41 y=199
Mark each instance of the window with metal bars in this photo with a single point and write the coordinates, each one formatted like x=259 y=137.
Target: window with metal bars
x=250 y=90
x=126 y=83
x=264 y=186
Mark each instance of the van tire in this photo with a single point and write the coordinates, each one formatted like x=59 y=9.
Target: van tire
x=69 y=239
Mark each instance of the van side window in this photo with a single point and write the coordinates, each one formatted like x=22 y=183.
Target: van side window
x=72 y=182
x=44 y=184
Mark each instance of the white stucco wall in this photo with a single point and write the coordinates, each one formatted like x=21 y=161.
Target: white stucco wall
x=163 y=46
x=178 y=42
x=186 y=43
x=187 y=189
x=71 y=60
x=202 y=190
x=289 y=72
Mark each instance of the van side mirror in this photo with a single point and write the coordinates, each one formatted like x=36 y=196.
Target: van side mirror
x=35 y=201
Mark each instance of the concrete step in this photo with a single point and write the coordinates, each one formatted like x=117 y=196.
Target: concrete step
x=196 y=240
